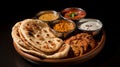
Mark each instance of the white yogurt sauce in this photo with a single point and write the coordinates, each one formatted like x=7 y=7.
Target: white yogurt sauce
x=90 y=25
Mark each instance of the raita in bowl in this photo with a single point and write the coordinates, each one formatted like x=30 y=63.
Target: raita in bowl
x=90 y=25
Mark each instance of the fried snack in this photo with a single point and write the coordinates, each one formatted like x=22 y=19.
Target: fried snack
x=35 y=37
x=80 y=43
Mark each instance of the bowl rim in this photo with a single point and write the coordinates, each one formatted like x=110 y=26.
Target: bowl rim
x=78 y=58
x=73 y=8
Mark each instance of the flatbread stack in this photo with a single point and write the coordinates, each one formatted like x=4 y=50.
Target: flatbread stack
x=35 y=37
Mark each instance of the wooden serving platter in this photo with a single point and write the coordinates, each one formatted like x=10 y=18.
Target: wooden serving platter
x=101 y=37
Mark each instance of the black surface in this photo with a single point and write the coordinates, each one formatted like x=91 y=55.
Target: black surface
x=14 y=12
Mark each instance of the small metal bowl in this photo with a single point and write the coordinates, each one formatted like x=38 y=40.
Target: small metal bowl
x=64 y=33
x=73 y=13
x=47 y=15
x=92 y=26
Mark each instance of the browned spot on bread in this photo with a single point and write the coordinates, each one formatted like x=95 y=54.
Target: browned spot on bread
x=48 y=35
x=45 y=31
x=27 y=24
x=52 y=44
x=46 y=47
x=31 y=39
x=18 y=34
x=38 y=35
x=37 y=42
x=49 y=41
x=58 y=40
x=30 y=34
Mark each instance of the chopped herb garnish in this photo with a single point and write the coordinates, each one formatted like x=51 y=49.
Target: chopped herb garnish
x=73 y=14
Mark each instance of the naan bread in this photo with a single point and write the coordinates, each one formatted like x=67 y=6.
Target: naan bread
x=39 y=35
x=35 y=37
x=18 y=40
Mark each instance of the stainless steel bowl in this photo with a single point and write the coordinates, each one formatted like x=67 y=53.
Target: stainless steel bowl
x=53 y=15
x=65 y=33
x=73 y=13
x=90 y=25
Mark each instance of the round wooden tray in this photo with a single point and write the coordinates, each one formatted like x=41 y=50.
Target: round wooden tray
x=67 y=61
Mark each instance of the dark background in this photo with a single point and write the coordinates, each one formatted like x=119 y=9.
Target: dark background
x=12 y=12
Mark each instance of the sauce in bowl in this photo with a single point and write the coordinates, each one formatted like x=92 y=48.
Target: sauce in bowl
x=73 y=13
x=48 y=15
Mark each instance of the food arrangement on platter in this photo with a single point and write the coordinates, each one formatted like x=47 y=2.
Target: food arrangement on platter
x=57 y=35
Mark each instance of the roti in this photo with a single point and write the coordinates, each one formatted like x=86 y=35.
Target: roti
x=35 y=37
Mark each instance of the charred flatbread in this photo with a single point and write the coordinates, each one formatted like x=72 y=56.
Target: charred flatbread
x=35 y=37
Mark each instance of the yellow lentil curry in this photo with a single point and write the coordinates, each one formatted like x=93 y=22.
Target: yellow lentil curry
x=63 y=26
x=48 y=17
